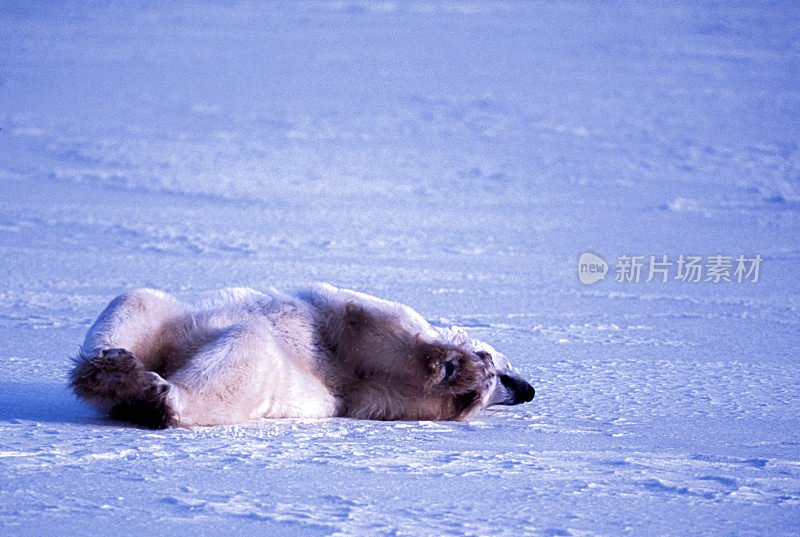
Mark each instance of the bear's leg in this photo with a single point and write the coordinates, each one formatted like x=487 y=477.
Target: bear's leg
x=130 y=340
x=142 y=322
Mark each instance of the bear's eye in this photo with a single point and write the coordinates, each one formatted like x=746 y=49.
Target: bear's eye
x=484 y=355
x=449 y=370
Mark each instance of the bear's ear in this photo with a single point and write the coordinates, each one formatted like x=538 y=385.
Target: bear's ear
x=484 y=356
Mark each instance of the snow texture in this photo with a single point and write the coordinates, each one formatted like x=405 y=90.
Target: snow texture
x=455 y=156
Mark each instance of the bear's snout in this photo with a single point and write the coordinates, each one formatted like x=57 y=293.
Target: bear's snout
x=518 y=390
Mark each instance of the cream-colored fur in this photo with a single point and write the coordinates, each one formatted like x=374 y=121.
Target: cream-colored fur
x=243 y=354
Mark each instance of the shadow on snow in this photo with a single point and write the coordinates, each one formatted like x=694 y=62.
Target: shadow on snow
x=43 y=402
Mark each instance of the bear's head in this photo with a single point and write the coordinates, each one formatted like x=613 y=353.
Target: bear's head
x=396 y=366
x=459 y=381
x=509 y=387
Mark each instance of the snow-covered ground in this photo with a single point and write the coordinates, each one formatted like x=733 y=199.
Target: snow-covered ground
x=455 y=156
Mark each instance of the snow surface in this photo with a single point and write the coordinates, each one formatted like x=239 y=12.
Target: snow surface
x=458 y=157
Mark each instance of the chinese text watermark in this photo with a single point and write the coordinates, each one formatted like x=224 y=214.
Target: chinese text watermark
x=660 y=268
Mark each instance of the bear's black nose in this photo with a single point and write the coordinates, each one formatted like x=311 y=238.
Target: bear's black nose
x=527 y=393
x=521 y=391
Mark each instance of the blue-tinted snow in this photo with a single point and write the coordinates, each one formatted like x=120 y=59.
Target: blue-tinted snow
x=455 y=156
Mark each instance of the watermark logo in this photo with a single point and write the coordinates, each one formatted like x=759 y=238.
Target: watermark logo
x=686 y=268
x=591 y=268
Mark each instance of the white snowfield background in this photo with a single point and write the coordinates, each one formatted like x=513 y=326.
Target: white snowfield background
x=454 y=156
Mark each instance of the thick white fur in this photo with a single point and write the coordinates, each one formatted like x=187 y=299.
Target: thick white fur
x=244 y=354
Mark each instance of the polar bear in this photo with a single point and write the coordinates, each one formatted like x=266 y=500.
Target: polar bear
x=153 y=360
